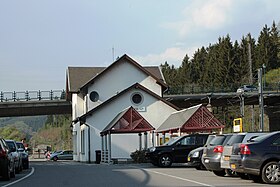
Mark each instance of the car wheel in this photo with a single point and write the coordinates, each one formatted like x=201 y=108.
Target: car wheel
x=221 y=173
x=7 y=174
x=154 y=163
x=165 y=160
x=55 y=158
x=200 y=167
x=26 y=165
x=271 y=173
x=13 y=172
x=230 y=172
x=255 y=178
x=243 y=175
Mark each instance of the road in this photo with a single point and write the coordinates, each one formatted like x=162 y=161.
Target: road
x=68 y=173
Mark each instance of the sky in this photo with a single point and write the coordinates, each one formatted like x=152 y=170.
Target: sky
x=40 y=39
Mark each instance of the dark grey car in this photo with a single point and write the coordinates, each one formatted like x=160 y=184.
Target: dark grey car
x=212 y=153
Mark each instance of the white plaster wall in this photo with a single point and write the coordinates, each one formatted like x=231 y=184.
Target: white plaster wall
x=118 y=78
x=77 y=105
x=122 y=145
x=77 y=129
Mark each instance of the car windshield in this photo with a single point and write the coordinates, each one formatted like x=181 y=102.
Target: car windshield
x=218 y=140
x=209 y=139
x=11 y=145
x=170 y=142
x=20 y=145
x=235 y=139
x=259 y=138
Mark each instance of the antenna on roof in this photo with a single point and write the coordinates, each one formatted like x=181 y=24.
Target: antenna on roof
x=113 y=53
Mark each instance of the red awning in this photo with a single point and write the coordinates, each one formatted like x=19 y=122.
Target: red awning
x=128 y=121
x=193 y=119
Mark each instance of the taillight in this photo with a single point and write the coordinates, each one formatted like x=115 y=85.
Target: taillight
x=2 y=152
x=218 y=149
x=244 y=149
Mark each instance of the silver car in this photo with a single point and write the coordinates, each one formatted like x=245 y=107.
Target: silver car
x=16 y=154
x=62 y=155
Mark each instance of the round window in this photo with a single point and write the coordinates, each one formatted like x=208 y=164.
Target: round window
x=94 y=96
x=137 y=98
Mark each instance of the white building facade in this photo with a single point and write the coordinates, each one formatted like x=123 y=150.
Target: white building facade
x=97 y=101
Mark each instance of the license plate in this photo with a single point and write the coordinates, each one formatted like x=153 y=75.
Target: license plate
x=232 y=166
x=206 y=161
x=189 y=159
x=226 y=158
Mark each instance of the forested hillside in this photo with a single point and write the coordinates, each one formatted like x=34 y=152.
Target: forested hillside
x=225 y=64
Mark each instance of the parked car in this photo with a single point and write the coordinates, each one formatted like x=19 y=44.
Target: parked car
x=24 y=155
x=211 y=157
x=227 y=150
x=176 y=150
x=16 y=155
x=194 y=157
x=7 y=165
x=62 y=155
x=259 y=158
x=246 y=88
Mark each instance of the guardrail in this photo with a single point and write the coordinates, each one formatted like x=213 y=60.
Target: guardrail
x=196 y=89
x=32 y=95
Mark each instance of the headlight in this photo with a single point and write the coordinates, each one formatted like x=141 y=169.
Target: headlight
x=152 y=149
x=195 y=154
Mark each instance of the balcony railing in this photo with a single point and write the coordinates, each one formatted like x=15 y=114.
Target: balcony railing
x=32 y=95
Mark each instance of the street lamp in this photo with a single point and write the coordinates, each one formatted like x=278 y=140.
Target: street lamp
x=263 y=66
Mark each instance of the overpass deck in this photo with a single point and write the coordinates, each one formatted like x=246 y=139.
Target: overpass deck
x=54 y=102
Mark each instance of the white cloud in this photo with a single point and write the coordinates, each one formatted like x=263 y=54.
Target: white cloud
x=201 y=15
x=174 y=55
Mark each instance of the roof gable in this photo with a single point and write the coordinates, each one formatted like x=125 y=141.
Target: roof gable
x=128 y=121
x=125 y=58
x=196 y=118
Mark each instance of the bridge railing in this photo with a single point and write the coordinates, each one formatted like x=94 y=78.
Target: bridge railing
x=32 y=95
x=196 y=89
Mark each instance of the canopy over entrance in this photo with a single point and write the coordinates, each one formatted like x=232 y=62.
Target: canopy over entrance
x=128 y=121
x=193 y=119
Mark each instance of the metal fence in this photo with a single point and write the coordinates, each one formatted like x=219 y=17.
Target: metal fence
x=32 y=95
x=196 y=89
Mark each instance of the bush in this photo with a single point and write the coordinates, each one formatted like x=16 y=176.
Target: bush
x=138 y=156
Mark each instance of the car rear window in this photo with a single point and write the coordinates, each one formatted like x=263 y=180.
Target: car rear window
x=235 y=139
x=218 y=140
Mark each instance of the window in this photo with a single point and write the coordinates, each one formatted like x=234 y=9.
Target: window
x=276 y=142
x=137 y=98
x=94 y=96
x=189 y=140
x=83 y=142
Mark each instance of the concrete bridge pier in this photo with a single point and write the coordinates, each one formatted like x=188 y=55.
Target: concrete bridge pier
x=273 y=113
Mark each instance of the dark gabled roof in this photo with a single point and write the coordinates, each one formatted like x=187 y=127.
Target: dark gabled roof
x=137 y=86
x=133 y=62
x=196 y=118
x=79 y=76
x=128 y=121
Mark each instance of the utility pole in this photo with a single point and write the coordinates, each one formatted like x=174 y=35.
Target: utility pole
x=261 y=98
x=251 y=79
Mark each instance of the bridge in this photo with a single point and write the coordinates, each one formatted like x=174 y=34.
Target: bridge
x=32 y=103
